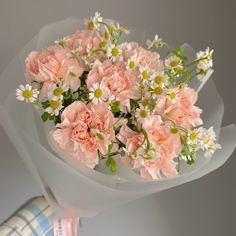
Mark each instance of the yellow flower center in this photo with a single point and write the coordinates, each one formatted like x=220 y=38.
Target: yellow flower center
x=143 y=113
x=145 y=102
x=122 y=28
x=90 y=25
x=174 y=130
x=131 y=65
x=174 y=63
x=158 y=90
x=114 y=52
x=54 y=104
x=111 y=28
x=148 y=157
x=102 y=44
x=172 y=95
x=27 y=94
x=159 y=79
x=106 y=35
x=145 y=74
x=57 y=92
x=98 y=93
x=193 y=136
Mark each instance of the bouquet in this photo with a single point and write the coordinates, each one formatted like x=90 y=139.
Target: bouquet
x=114 y=119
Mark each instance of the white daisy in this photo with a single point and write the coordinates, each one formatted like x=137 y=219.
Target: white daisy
x=142 y=113
x=156 y=42
x=211 y=150
x=98 y=93
x=56 y=91
x=173 y=94
x=97 y=18
x=205 y=57
x=145 y=73
x=158 y=92
x=194 y=138
x=61 y=42
x=159 y=78
x=122 y=29
x=55 y=105
x=27 y=93
x=131 y=63
x=146 y=99
x=209 y=142
x=173 y=63
x=113 y=52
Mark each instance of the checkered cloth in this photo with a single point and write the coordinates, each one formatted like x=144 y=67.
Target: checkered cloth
x=33 y=219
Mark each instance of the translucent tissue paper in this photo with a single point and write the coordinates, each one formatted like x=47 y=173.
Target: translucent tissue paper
x=72 y=189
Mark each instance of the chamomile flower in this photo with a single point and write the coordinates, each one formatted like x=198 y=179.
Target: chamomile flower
x=211 y=150
x=159 y=79
x=131 y=63
x=94 y=22
x=146 y=99
x=173 y=94
x=142 y=113
x=194 y=138
x=98 y=93
x=156 y=42
x=145 y=73
x=27 y=93
x=76 y=52
x=205 y=59
x=55 y=105
x=61 y=42
x=56 y=91
x=113 y=52
x=158 y=92
x=123 y=29
x=173 y=63
x=209 y=142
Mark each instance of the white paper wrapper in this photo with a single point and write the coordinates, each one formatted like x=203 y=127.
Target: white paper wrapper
x=71 y=188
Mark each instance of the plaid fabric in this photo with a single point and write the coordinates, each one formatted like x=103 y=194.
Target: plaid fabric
x=33 y=219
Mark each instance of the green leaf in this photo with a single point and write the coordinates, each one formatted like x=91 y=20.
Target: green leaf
x=45 y=116
x=108 y=161
x=110 y=146
x=113 y=165
x=45 y=104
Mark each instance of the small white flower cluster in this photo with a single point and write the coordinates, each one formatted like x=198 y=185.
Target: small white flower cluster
x=205 y=139
x=55 y=98
x=205 y=62
x=156 y=42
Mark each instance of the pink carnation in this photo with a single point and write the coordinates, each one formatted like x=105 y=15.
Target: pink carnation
x=75 y=134
x=159 y=134
x=144 y=57
x=183 y=111
x=120 y=82
x=83 y=39
x=51 y=65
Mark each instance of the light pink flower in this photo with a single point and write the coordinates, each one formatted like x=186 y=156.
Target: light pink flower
x=183 y=111
x=144 y=57
x=130 y=138
x=75 y=136
x=159 y=134
x=52 y=65
x=114 y=76
x=83 y=39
